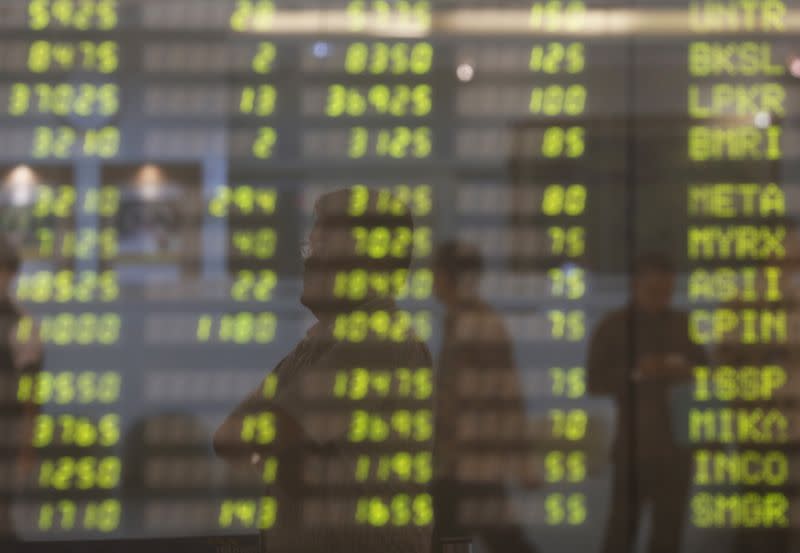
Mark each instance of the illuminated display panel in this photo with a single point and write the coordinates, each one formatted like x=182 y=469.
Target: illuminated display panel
x=161 y=163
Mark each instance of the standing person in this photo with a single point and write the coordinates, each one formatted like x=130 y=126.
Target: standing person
x=637 y=355
x=475 y=345
x=17 y=357
x=294 y=433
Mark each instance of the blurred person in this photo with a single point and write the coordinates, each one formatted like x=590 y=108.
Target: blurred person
x=638 y=355
x=17 y=357
x=476 y=347
x=298 y=435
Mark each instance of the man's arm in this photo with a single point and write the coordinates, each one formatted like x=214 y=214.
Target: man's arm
x=259 y=425
x=228 y=443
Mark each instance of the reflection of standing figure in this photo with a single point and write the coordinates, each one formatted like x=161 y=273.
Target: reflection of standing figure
x=475 y=344
x=298 y=433
x=637 y=355
x=16 y=358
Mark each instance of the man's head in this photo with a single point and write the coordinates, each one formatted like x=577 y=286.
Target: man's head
x=357 y=232
x=653 y=282
x=9 y=265
x=457 y=269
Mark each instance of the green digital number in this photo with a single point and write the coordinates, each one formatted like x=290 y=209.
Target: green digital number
x=252 y=15
x=565 y=509
x=359 y=284
x=568 y=383
x=239 y=328
x=555 y=100
x=103 y=202
x=264 y=58
x=568 y=326
x=360 y=383
x=400 y=510
x=565 y=467
x=380 y=427
x=396 y=143
x=80 y=244
x=258 y=100
x=568 y=424
x=402 y=466
x=254 y=285
x=561 y=142
x=258 y=429
x=67 y=388
x=67 y=286
x=558 y=15
x=554 y=57
x=384 y=58
x=383 y=242
x=394 y=200
x=66 y=515
x=264 y=143
x=254 y=514
x=81 y=15
x=244 y=200
x=257 y=244
x=71 y=329
x=270 y=386
x=397 y=326
x=84 y=100
x=269 y=473
x=85 y=473
x=397 y=100
x=63 y=142
x=569 y=241
x=100 y=57
x=384 y=12
x=74 y=431
x=55 y=201
x=567 y=284
x=561 y=200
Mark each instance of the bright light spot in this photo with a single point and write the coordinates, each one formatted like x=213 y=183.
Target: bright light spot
x=465 y=72
x=21 y=182
x=794 y=67
x=149 y=173
x=321 y=50
x=21 y=174
x=149 y=180
x=762 y=120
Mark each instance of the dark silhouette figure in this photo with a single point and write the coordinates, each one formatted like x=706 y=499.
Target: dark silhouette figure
x=19 y=355
x=310 y=427
x=637 y=355
x=476 y=346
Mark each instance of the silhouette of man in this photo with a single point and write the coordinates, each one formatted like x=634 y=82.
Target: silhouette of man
x=637 y=355
x=299 y=427
x=18 y=356
x=475 y=345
